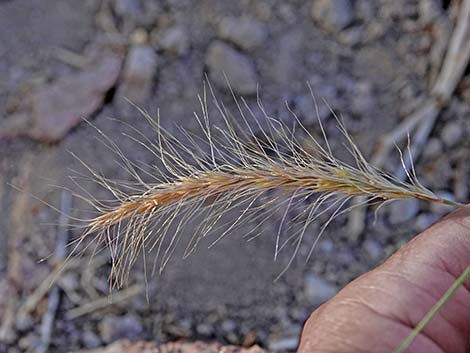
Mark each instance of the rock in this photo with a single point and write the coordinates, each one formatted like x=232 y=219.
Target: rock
x=403 y=210
x=249 y=338
x=397 y=10
x=139 y=70
x=284 y=344
x=333 y=15
x=263 y=10
x=365 y=9
x=451 y=134
x=16 y=124
x=90 y=339
x=59 y=106
x=228 y=326
x=429 y=10
x=115 y=327
x=205 y=330
x=318 y=290
x=433 y=149
x=174 y=40
x=136 y=12
x=352 y=36
x=125 y=346
x=127 y=7
x=288 y=341
x=139 y=37
x=179 y=329
x=245 y=32
x=424 y=221
x=323 y=91
x=362 y=101
x=326 y=246
x=287 y=12
x=232 y=338
x=239 y=69
x=24 y=321
x=345 y=256
x=286 y=61
x=28 y=342
x=69 y=282
x=373 y=249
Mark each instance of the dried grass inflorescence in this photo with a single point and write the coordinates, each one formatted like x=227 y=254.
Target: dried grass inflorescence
x=233 y=169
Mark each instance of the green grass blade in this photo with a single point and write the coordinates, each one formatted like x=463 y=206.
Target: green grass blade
x=434 y=310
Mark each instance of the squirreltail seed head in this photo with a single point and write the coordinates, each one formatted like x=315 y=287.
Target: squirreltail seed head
x=233 y=169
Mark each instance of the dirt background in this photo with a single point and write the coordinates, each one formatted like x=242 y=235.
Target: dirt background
x=372 y=61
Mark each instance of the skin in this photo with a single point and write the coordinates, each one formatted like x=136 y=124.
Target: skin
x=378 y=310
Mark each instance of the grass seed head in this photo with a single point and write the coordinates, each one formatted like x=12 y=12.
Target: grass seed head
x=233 y=169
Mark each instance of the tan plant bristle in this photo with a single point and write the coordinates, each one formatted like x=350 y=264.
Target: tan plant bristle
x=230 y=170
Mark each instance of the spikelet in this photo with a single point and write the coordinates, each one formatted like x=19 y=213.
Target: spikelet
x=232 y=169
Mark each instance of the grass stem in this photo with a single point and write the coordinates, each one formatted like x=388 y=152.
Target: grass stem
x=434 y=310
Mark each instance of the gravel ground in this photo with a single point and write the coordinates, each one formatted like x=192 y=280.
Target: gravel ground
x=61 y=60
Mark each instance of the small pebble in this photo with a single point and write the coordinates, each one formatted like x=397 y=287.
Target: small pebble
x=424 y=221
x=28 y=342
x=352 y=36
x=310 y=113
x=285 y=65
x=451 y=134
x=318 y=290
x=403 y=210
x=24 y=322
x=345 y=256
x=365 y=9
x=283 y=344
x=228 y=326
x=246 y=32
x=324 y=91
x=287 y=12
x=326 y=246
x=239 y=69
x=433 y=149
x=139 y=37
x=69 y=281
x=205 y=329
x=175 y=40
x=139 y=70
x=429 y=10
x=362 y=101
x=333 y=15
x=90 y=339
x=127 y=7
x=232 y=338
x=373 y=249
x=263 y=10
x=249 y=339
x=112 y=328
